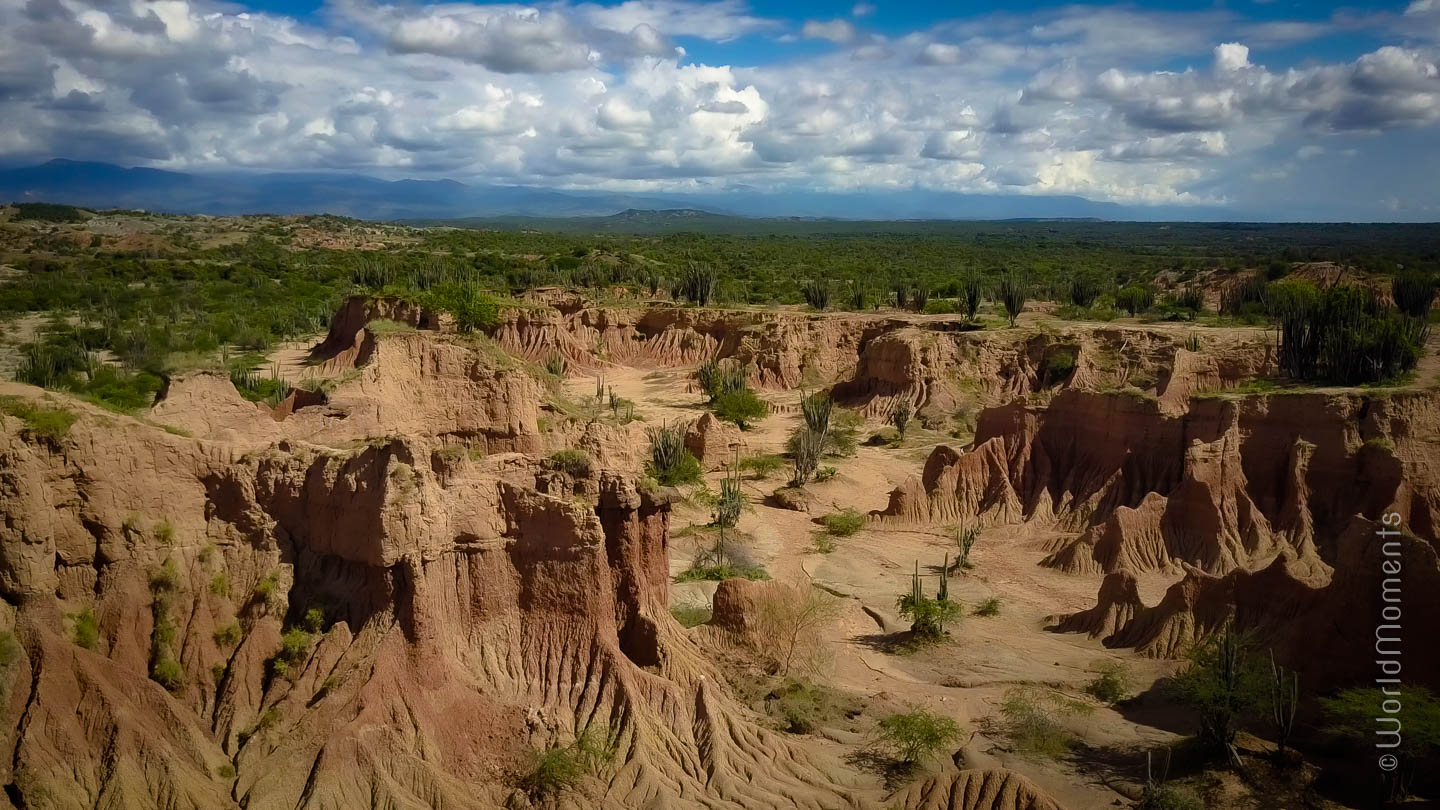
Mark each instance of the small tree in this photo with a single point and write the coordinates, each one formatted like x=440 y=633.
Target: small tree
x=917 y=735
x=742 y=407
x=1223 y=685
x=791 y=618
x=1013 y=291
x=900 y=416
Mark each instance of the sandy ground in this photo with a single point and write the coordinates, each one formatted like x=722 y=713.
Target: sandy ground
x=965 y=678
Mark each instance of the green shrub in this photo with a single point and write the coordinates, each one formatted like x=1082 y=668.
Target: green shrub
x=42 y=421
x=165 y=533
x=1111 y=683
x=929 y=618
x=1030 y=721
x=817 y=293
x=1413 y=293
x=1224 y=684
x=970 y=291
x=1059 y=365
x=227 y=635
x=691 y=615
x=917 y=735
x=1169 y=797
x=741 y=407
x=554 y=771
x=167 y=672
x=1083 y=289
x=268 y=588
x=723 y=571
x=470 y=306
x=670 y=462
x=843 y=523
x=1013 y=290
x=1135 y=299
x=900 y=416
x=988 y=608
x=761 y=465
x=86 y=630
x=225 y=771
x=801 y=706
x=165 y=579
x=220 y=584
x=573 y=461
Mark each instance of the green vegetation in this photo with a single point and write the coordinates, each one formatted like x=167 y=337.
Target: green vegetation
x=1169 y=797
x=1111 y=683
x=988 y=608
x=761 y=465
x=572 y=461
x=742 y=407
x=930 y=619
x=691 y=615
x=165 y=668
x=843 y=523
x=42 y=421
x=1410 y=719
x=1342 y=334
x=900 y=416
x=917 y=735
x=1013 y=290
x=48 y=212
x=724 y=571
x=228 y=634
x=670 y=462
x=1223 y=684
x=1135 y=299
x=1059 y=365
x=85 y=630
x=1030 y=719
x=558 y=769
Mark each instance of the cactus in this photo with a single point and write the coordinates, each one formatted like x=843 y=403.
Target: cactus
x=944 y=593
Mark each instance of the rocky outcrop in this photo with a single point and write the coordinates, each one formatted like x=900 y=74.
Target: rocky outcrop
x=994 y=789
x=1225 y=485
x=358 y=612
x=713 y=442
x=1322 y=625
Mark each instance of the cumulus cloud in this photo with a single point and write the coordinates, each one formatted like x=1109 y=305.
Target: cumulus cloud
x=1062 y=101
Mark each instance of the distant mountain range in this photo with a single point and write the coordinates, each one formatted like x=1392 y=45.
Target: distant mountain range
x=103 y=185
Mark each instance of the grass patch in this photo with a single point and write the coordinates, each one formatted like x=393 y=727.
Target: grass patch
x=40 y=420
x=691 y=615
x=988 y=608
x=717 y=573
x=843 y=523
x=1030 y=721
x=572 y=461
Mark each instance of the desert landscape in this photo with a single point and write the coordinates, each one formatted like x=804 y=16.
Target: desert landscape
x=510 y=519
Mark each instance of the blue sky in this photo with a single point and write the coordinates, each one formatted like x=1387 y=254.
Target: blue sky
x=1246 y=106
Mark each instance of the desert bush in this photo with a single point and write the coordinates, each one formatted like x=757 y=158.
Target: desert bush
x=802 y=706
x=1342 y=334
x=85 y=631
x=988 y=608
x=1168 y=797
x=1083 y=289
x=791 y=617
x=900 y=416
x=917 y=735
x=1191 y=298
x=696 y=284
x=468 y=303
x=1013 y=290
x=46 y=422
x=671 y=463
x=761 y=465
x=1111 y=683
x=742 y=407
x=1029 y=716
x=930 y=619
x=1414 y=293
x=553 y=771
x=817 y=293
x=689 y=615
x=1059 y=365
x=805 y=455
x=1135 y=299
x=1410 y=720
x=555 y=365
x=970 y=291
x=920 y=297
x=572 y=461
x=843 y=523
x=227 y=635
x=1223 y=684
x=1245 y=296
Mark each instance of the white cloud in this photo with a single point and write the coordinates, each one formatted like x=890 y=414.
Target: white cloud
x=838 y=31
x=1062 y=101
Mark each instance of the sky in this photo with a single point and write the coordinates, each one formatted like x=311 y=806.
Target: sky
x=1255 y=105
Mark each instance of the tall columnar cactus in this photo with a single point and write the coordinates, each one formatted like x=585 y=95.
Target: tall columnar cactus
x=944 y=593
